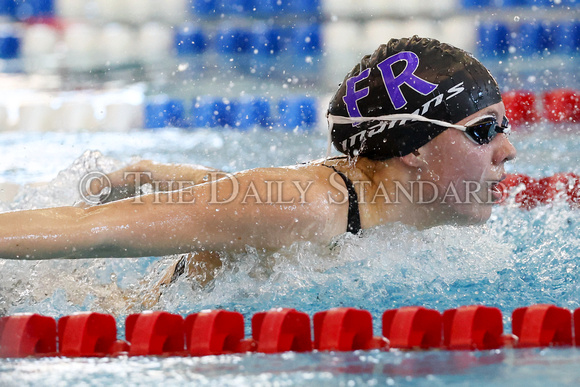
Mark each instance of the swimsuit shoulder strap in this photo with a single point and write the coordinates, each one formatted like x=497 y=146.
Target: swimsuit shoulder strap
x=353 y=225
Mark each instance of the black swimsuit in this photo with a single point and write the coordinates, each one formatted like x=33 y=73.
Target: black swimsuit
x=353 y=226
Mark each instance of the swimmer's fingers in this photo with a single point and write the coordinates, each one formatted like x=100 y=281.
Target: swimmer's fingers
x=147 y=176
x=132 y=175
x=124 y=183
x=113 y=192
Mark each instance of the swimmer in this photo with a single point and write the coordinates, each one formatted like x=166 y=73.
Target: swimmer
x=423 y=131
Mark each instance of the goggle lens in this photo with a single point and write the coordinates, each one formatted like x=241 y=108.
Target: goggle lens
x=485 y=131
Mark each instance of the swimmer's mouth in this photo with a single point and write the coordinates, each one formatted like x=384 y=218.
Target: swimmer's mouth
x=496 y=189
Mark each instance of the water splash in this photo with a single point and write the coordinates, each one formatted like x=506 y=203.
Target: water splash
x=63 y=190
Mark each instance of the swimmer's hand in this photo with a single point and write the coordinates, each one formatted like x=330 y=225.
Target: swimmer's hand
x=144 y=175
x=200 y=267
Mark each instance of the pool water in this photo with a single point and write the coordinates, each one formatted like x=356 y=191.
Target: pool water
x=501 y=367
x=517 y=259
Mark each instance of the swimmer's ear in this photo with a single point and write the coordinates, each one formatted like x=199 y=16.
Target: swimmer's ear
x=413 y=159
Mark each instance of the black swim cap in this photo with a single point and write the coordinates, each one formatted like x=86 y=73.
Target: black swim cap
x=417 y=76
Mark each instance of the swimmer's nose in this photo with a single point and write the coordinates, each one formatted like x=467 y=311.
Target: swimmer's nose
x=504 y=151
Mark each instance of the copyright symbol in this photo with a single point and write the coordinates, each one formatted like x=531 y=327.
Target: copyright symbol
x=95 y=187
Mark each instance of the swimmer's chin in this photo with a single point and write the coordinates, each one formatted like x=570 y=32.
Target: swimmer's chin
x=478 y=217
x=462 y=216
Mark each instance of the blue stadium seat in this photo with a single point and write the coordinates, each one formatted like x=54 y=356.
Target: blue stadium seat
x=234 y=40
x=189 y=40
x=9 y=45
x=541 y=3
x=306 y=49
x=474 y=4
x=566 y=37
x=493 y=40
x=307 y=39
x=514 y=3
x=28 y=9
x=234 y=7
x=532 y=38
x=204 y=7
x=7 y=8
x=305 y=7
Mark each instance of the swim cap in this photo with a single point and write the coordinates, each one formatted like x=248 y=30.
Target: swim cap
x=418 y=76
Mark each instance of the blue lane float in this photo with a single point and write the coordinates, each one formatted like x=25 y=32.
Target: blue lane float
x=303 y=38
x=478 y=4
x=249 y=112
x=238 y=113
x=164 y=112
x=210 y=112
x=499 y=39
x=256 y=8
x=297 y=112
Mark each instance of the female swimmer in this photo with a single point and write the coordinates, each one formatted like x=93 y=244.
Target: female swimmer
x=423 y=129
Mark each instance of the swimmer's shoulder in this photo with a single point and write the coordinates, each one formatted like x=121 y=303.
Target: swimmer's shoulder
x=316 y=173
x=337 y=163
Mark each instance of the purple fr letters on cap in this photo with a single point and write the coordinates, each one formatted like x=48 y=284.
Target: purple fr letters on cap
x=392 y=83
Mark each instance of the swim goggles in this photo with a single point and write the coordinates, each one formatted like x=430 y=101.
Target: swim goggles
x=484 y=129
x=480 y=130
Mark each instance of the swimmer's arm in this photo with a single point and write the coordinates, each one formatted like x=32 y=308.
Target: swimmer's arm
x=184 y=221
x=126 y=182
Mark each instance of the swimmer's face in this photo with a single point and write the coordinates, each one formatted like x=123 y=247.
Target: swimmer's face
x=466 y=173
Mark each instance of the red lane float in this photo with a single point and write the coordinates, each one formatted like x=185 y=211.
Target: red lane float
x=520 y=106
x=155 y=333
x=576 y=318
x=345 y=329
x=282 y=330
x=520 y=185
x=542 y=326
x=216 y=332
x=472 y=327
x=562 y=105
x=412 y=327
x=564 y=184
x=87 y=334
x=27 y=335
x=529 y=192
x=558 y=105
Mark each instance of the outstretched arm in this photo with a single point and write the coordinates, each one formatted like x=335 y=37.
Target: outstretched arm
x=227 y=214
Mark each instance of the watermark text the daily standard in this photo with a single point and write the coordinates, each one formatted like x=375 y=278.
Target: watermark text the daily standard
x=224 y=188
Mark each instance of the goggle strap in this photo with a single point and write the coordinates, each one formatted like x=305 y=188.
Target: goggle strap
x=332 y=119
